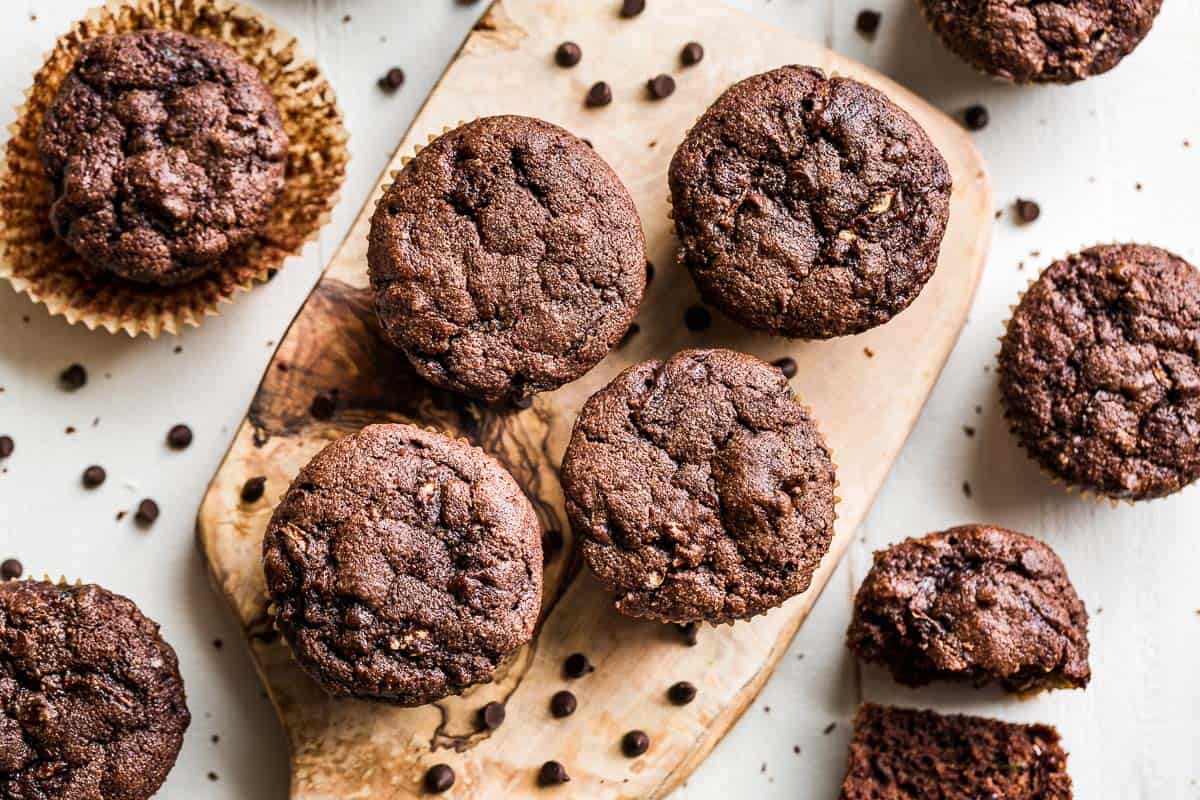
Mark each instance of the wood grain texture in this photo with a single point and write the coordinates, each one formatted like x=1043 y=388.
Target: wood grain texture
x=865 y=406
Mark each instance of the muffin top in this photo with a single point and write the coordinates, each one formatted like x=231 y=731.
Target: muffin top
x=507 y=258
x=91 y=702
x=975 y=603
x=702 y=490
x=403 y=566
x=1042 y=41
x=166 y=153
x=1100 y=371
x=809 y=206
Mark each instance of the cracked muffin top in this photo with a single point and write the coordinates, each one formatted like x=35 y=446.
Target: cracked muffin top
x=403 y=566
x=1042 y=41
x=1100 y=371
x=700 y=487
x=808 y=206
x=506 y=259
x=974 y=603
x=166 y=153
x=91 y=703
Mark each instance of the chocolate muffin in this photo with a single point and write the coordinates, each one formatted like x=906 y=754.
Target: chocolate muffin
x=403 y=566
x=902 y=753
x=91 y=703
x=700 y=488
x=809 y=206
x=974 y=603
x=1100 y=371
x=507 y=259
x=166 y=153
x=1042 y=41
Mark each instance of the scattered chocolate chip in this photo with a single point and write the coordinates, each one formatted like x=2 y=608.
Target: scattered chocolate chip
x=7 y=445
x=218 y=644
x=867 y=22
x=787 y=366
x=212 y=776
x=323 y=406
x=552 y=773
x=681 y=693
x=121 y=515
x=697 y=318
x=661 y=86
x=577 y=665
x=868 y=352
x=829 y=728
x=178 y=349
x=692 y=53
x=147 y=512
x=392 y=80
x=977 y=118
x=1027 y=211
x=215 y=738
x=966 y=489
x=630 y=332
x=634 y=743
x=179 y=437
x=599 y=95
x=439 y=778
x=491 y=716
x=631 y=8
x=73 y=378
x=253 y=489
x=568 y=54
x=649 y=272
x=563 y=704
x=93 y=476
x=69 y=430
x=11 y=569
x=969 y=431
x=690 y=631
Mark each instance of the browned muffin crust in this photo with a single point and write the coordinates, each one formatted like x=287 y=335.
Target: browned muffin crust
x=166 y=153
x=809 y=206
x=403 y=566
x=507 y=259
x=904 y=754
x=1100 y=371
x=91 y=703
x=974 y=603
x=1042 y=41
x=702 y=490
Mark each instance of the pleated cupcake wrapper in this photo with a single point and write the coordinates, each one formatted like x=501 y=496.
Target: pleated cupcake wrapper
x=1081 y=492
x=39 y=265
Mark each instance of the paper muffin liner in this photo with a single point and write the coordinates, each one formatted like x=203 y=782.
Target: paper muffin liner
x=41 y=266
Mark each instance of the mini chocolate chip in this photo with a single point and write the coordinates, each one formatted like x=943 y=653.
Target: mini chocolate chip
x=147 y=512
x=661 y=86
x=73 y=377
x=323 y=406
x=829 y=728
x=697 y=318
x=563 y=704
x=552 y=773
x=631 y=8
x=1027 y=211
x=11 y=569
x=577 y=665
x=568 y=54
x=630 y=332
x=649 y=272
x=392 y=80
x=977 y=118
x=867 y=22
x=634 y=743
x=786 y=365
x=693 y=53
x=253 y=488
x=179 y=437
x=439 y=778
x=690 y=632
x=93 y=476
x=681 y=693
x=491 y=716
x=599 y=95
x=6 y=446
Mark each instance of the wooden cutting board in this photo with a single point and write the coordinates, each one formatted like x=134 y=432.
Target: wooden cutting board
x=866 y=392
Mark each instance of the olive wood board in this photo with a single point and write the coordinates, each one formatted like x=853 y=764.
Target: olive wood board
x=866 y=392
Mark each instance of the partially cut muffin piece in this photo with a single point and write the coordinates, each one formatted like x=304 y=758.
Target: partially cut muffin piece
x=906 y=754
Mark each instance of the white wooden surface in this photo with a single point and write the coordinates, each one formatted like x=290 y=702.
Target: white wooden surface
x=1080 y=151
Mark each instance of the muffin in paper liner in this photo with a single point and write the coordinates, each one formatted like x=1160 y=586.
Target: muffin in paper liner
x=41 y=266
